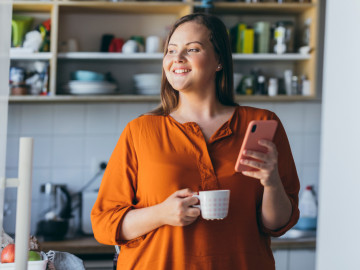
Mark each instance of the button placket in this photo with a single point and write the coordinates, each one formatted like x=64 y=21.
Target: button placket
x=209 y=180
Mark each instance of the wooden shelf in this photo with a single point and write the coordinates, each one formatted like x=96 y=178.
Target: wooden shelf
x=32 y=6
x=136 y=7
x=261 y=8
x=110 y=56
x=31 y=56
x=271 y=56
x=141 y=98
x=68 y=10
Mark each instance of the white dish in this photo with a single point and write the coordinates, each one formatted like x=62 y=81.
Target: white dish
x=90 y=88
x=148 y=78
x=148 y=91
x=33 y=265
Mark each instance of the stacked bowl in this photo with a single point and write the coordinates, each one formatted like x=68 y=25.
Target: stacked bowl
x=147 y=83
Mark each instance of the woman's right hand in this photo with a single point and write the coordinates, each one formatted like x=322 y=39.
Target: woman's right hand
x=177 y=209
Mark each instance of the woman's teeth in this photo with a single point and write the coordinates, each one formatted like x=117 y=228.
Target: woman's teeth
x=178 y=71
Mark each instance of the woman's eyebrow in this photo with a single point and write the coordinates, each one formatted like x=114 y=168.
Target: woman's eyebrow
x=198 y=42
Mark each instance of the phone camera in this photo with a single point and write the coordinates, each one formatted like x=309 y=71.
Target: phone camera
x=253 y=128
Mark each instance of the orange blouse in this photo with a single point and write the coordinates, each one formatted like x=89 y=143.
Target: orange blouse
x=156 y=156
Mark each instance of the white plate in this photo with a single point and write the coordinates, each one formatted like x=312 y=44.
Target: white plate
x=90 y=88
x=148 y=91
x=33 y=265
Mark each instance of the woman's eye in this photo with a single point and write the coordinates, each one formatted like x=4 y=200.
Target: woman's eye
x=193 y=50
x=171 y=51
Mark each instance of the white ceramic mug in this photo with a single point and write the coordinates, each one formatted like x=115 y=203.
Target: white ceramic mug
x=214 y=204
x=153 y=44
x=130 y=46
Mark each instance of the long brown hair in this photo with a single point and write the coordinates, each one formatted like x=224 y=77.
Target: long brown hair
x=224 y=78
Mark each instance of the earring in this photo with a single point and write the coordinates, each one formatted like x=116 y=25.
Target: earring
x=219 y=67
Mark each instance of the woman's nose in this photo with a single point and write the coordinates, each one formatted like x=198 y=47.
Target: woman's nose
x=179 y=57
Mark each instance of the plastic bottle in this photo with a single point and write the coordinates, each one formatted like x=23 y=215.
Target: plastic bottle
x=306 y=32
x=308 y=210
x=273 y=87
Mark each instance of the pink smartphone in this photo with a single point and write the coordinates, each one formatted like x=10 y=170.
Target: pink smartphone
x=256 y=130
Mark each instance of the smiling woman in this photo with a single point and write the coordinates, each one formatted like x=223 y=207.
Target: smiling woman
x=189 y=144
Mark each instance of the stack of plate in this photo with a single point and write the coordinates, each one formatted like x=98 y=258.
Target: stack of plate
x=86 y=82
x=90 y=88
x=147 y=83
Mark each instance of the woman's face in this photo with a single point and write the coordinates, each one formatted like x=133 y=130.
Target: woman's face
x=190 y=63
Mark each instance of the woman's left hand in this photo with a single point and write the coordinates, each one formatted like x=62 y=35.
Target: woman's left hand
x=266 y=164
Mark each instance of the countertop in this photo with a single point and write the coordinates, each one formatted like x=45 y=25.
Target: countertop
x=88 y=245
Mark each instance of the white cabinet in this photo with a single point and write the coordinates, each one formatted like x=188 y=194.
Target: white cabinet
x=281 y=259
x=294 y=259
x=303 y=259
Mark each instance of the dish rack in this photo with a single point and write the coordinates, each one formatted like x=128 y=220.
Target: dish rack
x=23 y=206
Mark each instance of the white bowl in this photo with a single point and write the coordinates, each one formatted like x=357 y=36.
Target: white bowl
x=148 y=78
x=148 y=90
x=33 y=265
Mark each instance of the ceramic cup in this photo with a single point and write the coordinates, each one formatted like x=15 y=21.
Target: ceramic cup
x=214 y=204
x=130 y=46
x=153 y=44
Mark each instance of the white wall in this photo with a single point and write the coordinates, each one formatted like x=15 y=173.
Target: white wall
x=5 y=33
x=339 y=216
x=68 y=138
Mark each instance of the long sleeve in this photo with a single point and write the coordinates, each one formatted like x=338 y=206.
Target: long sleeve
x=117 y=193
x=288 y=175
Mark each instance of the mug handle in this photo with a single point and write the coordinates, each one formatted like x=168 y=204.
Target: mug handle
x=198 y=205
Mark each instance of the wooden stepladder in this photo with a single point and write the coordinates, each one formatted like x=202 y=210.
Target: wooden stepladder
x=23 y=206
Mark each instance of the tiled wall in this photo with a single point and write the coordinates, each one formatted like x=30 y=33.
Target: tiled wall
x=70 y=139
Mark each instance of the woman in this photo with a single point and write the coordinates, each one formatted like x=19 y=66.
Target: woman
x=191 y=143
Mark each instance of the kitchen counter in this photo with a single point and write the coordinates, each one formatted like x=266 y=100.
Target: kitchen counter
x=88 y=245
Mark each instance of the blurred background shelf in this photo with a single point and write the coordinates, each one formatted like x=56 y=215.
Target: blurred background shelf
x=159 y=56
x=125 y=19
x=143 y=98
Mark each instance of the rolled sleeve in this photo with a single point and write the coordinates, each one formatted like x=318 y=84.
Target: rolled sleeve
x=292 y=221
x=117 y=194
x=289 y=178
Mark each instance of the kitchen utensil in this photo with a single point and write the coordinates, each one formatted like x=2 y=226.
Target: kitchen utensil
x=273 y=87
x=90 y=88
x=237 y=80
x=105 y=42
x=116 y=45
x=153 y=44
x=20 y=25
x=86 y=75
x=130 y=46
x=56 y=212
x=147 y=83
x=72 y=45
